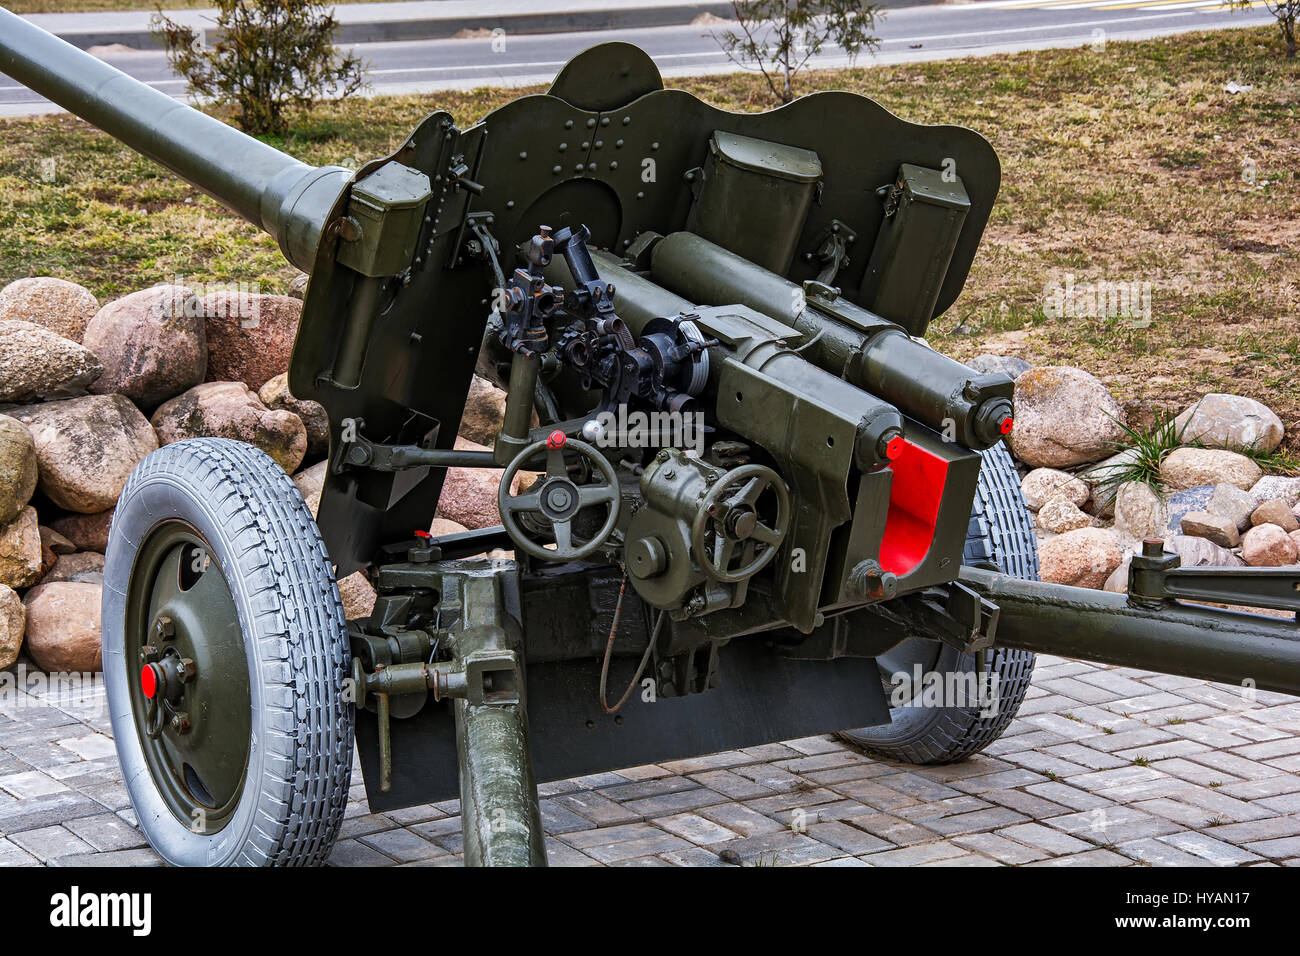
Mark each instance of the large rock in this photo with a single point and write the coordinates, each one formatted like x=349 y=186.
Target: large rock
x=1103 y=480
x=13 y=621
x=37 y=364
x=311 y=481
x=358 y=596
x=1277 y=486
x=86 y=448
x=1190 y=467
x=1229 y=501
x=250 y=336
x=152 y=343
x=61 y=306
x=232 y=410
x=20 y=550
x=1230 y=421
x=82 y=566
x=1059 y=516
x=17 y=467
x=1202 y=524
x=1047 y=484
x=1140 y=512
x=275 y=395
x=1083 y=558
x=485 y=409
x=87 y=532
x=469 y=495
x=63 y=626
x=1008 y=365
x=1275 y=511
x=53 y=544
x=1064 y=416
x=1184 y=502
x=1267 y=546
x=444 y=526
x=1192 y=553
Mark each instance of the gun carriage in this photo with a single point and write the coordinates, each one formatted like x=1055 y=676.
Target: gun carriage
x=755 y=498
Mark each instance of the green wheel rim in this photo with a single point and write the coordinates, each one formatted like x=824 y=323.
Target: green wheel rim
x=190 y=694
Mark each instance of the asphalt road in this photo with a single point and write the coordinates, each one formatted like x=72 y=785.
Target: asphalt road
x=909 y=34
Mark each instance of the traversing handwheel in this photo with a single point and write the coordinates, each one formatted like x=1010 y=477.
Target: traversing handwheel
x=737 y=531
x=558 y=499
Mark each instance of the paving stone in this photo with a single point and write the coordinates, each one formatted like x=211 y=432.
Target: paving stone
x=734 y=785
x=1114 y=825
x=1068 y=795
x=914 y=855
x=697 y=829
x=404 y=846
x=1000 y=781
x=128 y=858
x=1276 y=849
x=556 y=818
x=11 y=855
x=355 y=853
x=1000 y=848
x=50 y=843
x=597 y=808
x=1024 y=802
x=894 y=829
x=991 y=819
x=1207 y=847
x=741 y=819
x=1044 y=838
x=1086 y=756
x=1092 y=858
x=107 y=831
x=846 y=837
x=1159 y=853
x=648 y=845
x=675 y=802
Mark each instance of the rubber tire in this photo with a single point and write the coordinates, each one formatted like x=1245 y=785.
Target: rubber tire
x=1001 y=535
x=266 y=543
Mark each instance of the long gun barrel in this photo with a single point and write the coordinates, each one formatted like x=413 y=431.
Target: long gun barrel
x=288 y=199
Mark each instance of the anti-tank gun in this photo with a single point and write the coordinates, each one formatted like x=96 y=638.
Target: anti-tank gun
x=746 y=502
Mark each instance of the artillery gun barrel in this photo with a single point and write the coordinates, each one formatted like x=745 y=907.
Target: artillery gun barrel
x=1201 y=642
x=288 y=199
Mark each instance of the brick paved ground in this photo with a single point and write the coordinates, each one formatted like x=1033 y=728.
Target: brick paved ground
x=1103 y=767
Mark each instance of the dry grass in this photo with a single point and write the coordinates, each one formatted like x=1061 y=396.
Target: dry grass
x=1123 y=165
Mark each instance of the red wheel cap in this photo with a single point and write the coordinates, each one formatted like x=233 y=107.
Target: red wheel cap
x=895 y=447
x=1006 y=425
x=149 y=681
x=556 y=439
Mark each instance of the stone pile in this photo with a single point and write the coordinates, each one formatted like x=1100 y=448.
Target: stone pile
x=87 y=391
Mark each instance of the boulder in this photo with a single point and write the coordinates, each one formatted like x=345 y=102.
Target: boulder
x=1277 y=486
x=1190 y=467
x=1059 y=516
x=1186 y=501
x=1047 y=484
x=1084 y=557
x=250 y=336
x=1295 y=539
x=13 y=622
x=1140 y=512
x=1275 y=511
x=469 y=495
x=358 y=596
x=1233 y=422
x=1229 y=501
x=232 y=410
x=20 y=550
x=37 y=364
x=276 y=396
x=53 y=544
x=86 y=448
x=82 y=566
x=61 y=306
x=1202 y=524
x=1103 y=480
x=1008 y=365
x=1192 y=553
x=444 y=526
x=298 y=285
x=310 y=482
x=63 y=626
x=17 y=467
x=87 y=532
x=152 y=343
x=1064 y=416
x=1267 y=546
x=485 y=409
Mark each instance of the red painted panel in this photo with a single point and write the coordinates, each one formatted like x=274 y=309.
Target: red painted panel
x=914 y=497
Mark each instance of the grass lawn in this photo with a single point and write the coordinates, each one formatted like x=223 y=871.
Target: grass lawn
x=1123 y=166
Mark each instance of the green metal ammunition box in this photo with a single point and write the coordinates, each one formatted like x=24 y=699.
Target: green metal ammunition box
x=924 y=213
x=386 y=210
x=754 y=197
